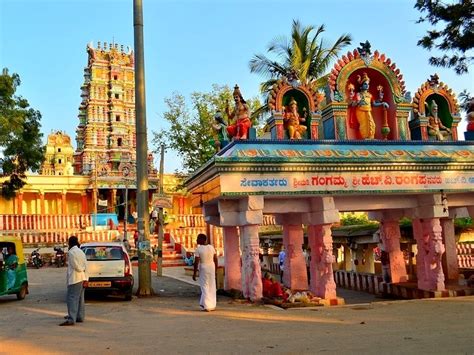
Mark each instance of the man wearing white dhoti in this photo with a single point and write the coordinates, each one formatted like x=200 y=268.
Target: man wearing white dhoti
x=205 y=258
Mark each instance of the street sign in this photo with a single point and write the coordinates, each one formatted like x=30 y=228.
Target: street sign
x=162 y=201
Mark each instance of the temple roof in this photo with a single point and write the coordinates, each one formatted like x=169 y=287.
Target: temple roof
x=269 y=159
x=347 y=152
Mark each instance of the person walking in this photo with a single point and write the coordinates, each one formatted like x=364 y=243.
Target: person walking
x=76 y=275
x=205 y=258
x=281 y=262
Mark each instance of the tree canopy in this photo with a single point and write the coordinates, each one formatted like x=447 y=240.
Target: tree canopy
x=452 y=32
x=304 y=57
x=20 y=137
x=190 y=133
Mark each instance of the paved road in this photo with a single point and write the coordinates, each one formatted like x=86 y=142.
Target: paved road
x=172 y=323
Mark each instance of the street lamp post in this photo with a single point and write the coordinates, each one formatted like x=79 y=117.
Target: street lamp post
x=144 y=252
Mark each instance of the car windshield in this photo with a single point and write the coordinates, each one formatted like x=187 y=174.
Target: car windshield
x=103 y=252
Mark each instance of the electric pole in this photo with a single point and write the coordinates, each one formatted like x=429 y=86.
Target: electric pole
x=144 y=252
x=159 y=260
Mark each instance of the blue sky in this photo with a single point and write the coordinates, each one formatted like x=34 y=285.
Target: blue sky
x=190 y=45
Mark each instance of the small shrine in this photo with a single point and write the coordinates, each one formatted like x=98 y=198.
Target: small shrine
x=436 y=112
x=59 y=155
x=364 y=145
x=295 y=112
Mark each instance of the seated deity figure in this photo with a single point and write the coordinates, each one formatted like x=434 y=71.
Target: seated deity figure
x=435 y=126
x=362 y=103
x=241 y=113
x=292 y=121
x=470 y=116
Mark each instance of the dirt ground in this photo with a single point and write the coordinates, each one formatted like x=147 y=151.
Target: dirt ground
x=171 y=322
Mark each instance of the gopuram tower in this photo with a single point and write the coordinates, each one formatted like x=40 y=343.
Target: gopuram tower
x=105 y=136
x=106 y=132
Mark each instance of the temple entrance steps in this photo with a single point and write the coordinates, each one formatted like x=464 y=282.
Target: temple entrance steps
x=171 y=253
x=172 y=256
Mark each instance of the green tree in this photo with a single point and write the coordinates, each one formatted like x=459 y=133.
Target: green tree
x=190 y=133
x=466 y=99
x=20 y=137
x=454 y=35
x=304 y=57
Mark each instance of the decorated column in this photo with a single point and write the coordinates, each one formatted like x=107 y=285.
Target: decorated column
x=294 y=275
x=323 y=214
x=251 y=273
x=429 y=257
x=450 y=259
x=428 y=234
x=390 y=235
x=247 y=214
x=322 y=279
x=233 y=275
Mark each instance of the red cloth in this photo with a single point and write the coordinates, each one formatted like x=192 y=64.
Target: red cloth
x=277 y=291
x=267 y=287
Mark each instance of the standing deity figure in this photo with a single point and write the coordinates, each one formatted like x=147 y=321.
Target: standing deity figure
x=292 y=121
x=241 y=113
x=435 y=126
x=220 y=130
x=363 y=102
x=470 y=116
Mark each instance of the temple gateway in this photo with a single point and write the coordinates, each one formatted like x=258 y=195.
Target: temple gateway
x=365 y=145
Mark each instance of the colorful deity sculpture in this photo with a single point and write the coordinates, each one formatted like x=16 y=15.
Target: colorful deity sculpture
x=293 y=123
x=435 y=112
x=470 y=116
x=435 y=126
x=241 y=114
x=220 y=131
x=362 y=103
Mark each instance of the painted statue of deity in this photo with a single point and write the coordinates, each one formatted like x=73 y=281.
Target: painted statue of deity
x=220 y=131
x=293 y=121
x=241 y=114
x=362 y=103
x=435 y=126
x=470 y=116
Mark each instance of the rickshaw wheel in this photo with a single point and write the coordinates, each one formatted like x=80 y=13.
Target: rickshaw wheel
x=23 y=291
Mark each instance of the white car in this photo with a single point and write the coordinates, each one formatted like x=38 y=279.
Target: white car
x=109 y=268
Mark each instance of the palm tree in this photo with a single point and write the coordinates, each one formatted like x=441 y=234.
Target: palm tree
x=303 y=58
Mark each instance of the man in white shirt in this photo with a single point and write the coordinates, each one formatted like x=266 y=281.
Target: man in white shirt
x=76 y=275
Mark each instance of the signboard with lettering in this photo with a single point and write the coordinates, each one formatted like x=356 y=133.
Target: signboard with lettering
x=347 y=182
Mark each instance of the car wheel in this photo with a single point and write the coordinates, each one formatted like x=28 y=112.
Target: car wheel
x=128 y=296
x=23 y=291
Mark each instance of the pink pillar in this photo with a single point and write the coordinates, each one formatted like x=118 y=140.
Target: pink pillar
x=294 y=276
x=450 y=259
x=251 y=273
x=430 y=250
x=233 y=274
x=390 y=234
x=322 y=278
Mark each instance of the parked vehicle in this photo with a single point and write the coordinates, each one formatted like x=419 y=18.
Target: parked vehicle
x=13 y=276
x=36 y=259
x=109 y=269
x=59 y=256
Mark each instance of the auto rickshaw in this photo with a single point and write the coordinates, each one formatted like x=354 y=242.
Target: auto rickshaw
x=13 y=277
